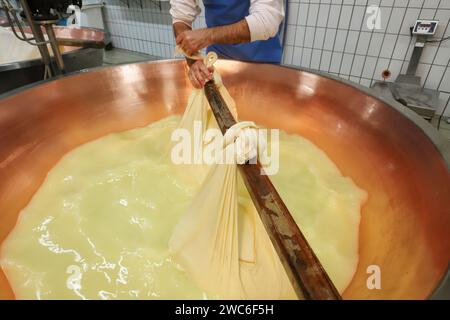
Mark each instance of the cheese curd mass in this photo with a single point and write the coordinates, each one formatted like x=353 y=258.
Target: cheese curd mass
x=99 y=226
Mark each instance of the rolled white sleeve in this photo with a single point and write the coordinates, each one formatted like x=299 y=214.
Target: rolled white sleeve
x=264 y=19
x=184 y=11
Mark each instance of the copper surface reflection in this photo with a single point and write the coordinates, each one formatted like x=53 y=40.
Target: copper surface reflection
x=405 y=222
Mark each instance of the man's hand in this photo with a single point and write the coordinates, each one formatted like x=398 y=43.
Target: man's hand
x=199 y=74
x=191 y=41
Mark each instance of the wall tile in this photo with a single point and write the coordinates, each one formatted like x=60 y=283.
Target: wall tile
x=444 y=4
x=329 y=39
x=369 y=67
x=336 y=60
x=319 y=38
x=333 y=19
x=346 y=64
x=434 y=77
x=357 y=20
x=357 y=65
x=303 y=13
x=324 y=11
x=375 y=44
x=297 y=56
x=443 y=16
x=387 y=47
x=442 y=56
x=431 y=3
x=287 y=54
x=352 y=41
x=293 y=13
x=309 y=37
x=340 y=40
x=312 y=15
x=363 y=43
x=300 y=36
x=416 y=3
x=387 y=3
x=315 y=59
x=395 y=22
x=290 y=34
x=306 y=57
x=325 y=61
x=445 y=81
x=346 y=17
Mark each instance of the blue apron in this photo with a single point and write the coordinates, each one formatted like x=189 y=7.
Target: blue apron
x=224 y=12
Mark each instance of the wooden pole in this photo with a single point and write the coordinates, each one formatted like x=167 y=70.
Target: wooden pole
x=304 y=270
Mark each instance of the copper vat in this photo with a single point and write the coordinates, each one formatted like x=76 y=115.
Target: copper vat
x=397 y=157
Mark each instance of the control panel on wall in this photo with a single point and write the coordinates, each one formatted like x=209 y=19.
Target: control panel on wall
x=425 y=27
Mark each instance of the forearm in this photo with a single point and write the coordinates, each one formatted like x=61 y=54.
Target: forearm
x=230 y=34
x=179 y=28
x=191 y=41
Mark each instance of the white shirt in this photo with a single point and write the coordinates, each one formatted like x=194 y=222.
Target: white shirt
x=264 y=19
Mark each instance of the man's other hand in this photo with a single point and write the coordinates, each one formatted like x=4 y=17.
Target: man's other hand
x=191 y=41
x=199 y=74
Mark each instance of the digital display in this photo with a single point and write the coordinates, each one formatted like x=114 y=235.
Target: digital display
x=425 y=27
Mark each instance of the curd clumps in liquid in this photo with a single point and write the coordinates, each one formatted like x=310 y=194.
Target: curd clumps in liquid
x=99 y=226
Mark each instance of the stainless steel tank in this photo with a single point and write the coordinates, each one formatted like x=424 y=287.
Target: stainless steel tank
x=385 y=148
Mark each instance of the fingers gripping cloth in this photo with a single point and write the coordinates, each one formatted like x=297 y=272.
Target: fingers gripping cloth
x=220 y=240
x=198 y=119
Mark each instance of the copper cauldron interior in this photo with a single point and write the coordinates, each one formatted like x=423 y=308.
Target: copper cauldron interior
x=405 y=223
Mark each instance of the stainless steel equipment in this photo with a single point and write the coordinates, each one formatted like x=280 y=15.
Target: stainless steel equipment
x=40 y=13
x=36 y=13
x=407 y=88
x=388 y=150
x=81 y=49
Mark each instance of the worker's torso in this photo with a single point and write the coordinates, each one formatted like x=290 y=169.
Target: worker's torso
x=224 y=12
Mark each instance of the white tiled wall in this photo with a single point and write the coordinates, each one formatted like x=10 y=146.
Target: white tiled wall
x=146 y=29
x=326 y=35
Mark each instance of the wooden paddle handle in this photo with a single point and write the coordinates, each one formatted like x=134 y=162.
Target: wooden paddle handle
x=304 y=270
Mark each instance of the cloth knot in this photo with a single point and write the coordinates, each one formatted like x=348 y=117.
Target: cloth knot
x=210 y=59
x=242 y=140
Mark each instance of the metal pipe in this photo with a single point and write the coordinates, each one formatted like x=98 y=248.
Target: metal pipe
x=415 y=58
x=54 y=44
x=37 y=32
